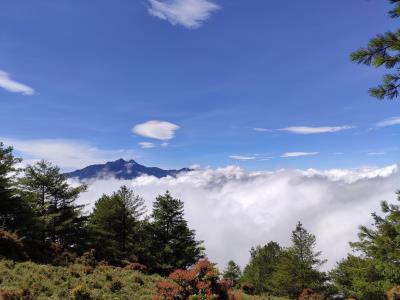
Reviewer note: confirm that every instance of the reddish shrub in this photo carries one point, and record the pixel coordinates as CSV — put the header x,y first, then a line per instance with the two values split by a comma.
x,y
136,267
15,294
199,282
309,294
167,291
248,288
394,293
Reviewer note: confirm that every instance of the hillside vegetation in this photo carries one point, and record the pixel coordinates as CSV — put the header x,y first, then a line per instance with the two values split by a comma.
x,y
28,280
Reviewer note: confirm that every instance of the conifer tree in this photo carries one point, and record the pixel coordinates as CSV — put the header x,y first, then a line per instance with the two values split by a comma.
x,y
174,243
52,200
9,203
262,265
382,242
299,265
232,272
116,225
383,50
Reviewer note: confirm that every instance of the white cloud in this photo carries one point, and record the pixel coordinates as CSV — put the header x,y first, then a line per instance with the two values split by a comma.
x,y
243,209
146,145
389,122
315,130
260,129
7,83
241,157
67,154
159,130
188,13
298,154
164,144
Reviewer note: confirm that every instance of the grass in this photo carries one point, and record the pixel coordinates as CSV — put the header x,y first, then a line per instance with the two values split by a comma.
x,y
80,282
74,282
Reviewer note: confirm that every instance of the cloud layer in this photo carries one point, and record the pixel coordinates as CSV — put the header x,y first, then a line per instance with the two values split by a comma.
x,y
188,13
7,83
233,210
159,130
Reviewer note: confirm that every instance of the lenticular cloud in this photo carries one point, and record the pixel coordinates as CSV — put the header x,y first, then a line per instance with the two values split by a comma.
x,y
232,209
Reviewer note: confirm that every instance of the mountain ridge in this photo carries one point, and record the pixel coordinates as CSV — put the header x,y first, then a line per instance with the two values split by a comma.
x,y
122,169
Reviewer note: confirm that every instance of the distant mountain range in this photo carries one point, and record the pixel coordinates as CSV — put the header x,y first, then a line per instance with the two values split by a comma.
x,y
121,169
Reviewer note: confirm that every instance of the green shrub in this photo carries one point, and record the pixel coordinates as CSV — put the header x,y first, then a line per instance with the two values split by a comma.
x,y
116,285
81,293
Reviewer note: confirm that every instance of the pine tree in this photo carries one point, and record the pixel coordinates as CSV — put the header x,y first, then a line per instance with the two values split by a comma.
x,y
9,202
382,242
232,272
174,243
299,265
263,263
116,226
59,219
383,50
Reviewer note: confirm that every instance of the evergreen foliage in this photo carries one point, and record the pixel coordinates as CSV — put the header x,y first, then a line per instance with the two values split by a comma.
x,y
383,50
52,200
115,226
263,263
232,273
175,242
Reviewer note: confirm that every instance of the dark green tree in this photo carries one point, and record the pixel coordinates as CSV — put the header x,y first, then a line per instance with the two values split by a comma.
x,y
263,263
358,277
10,204
383,50
299,266
174,244
232,272
382,242
116,226
52,199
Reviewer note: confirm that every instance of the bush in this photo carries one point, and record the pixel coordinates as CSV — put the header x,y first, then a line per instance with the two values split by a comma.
x,y
88,259
309,294
81,293
11,246
197,283
136,267
116,285
15,294
394,293
248,288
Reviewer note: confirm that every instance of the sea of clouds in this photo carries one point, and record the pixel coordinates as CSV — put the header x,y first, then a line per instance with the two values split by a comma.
x,y
232,209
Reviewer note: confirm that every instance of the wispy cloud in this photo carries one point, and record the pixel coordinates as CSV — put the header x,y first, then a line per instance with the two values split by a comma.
x,y
188,13
67,154
315,130
298,154
146,145
242,157
376,153
260,129
159,130
7,83
389,122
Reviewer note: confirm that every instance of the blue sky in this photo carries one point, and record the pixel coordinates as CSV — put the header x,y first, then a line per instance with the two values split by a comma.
x,y
182,82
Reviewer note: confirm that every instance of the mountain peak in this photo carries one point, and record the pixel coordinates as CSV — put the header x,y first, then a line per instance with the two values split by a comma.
x,y
121,169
